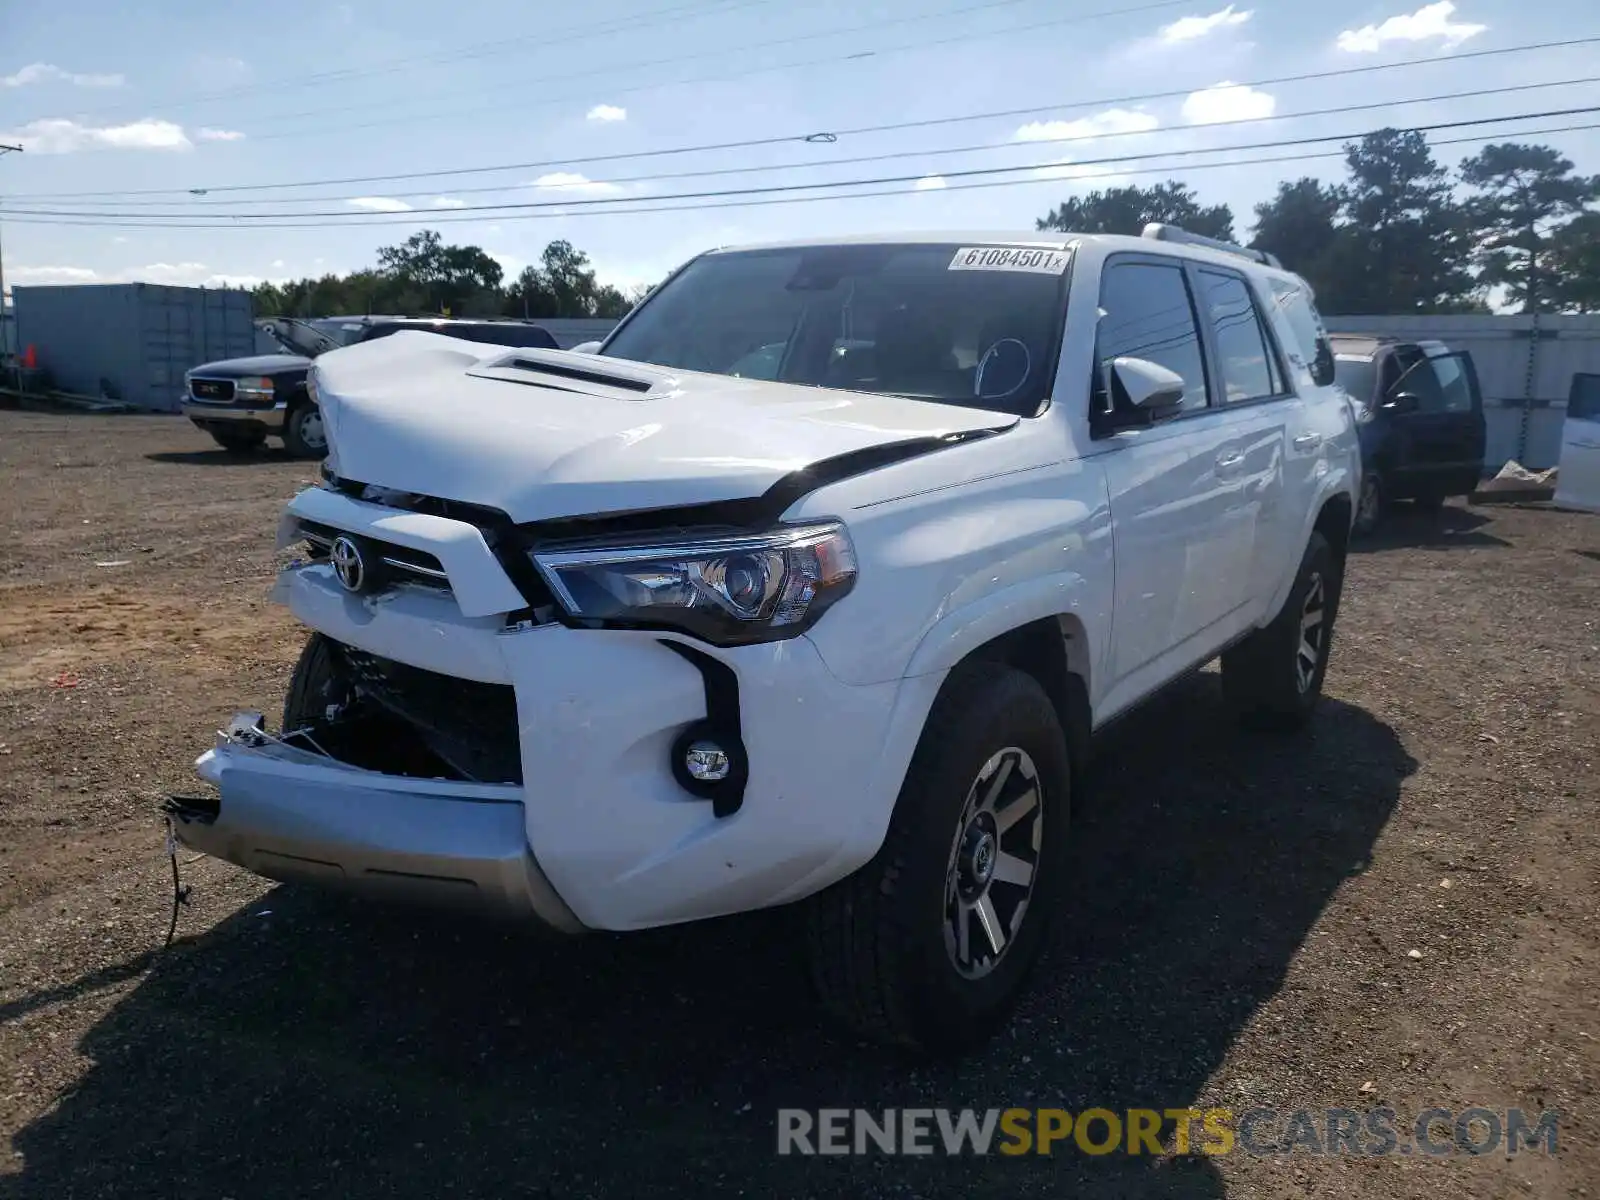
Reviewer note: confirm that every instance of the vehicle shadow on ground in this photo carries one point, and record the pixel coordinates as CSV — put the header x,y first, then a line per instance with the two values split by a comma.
x,y
1407,527
220,457
312,1046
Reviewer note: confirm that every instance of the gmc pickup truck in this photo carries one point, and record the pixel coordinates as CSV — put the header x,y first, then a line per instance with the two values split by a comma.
x,y
810,586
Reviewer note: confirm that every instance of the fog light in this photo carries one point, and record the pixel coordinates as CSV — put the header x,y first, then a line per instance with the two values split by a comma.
x,y
706,762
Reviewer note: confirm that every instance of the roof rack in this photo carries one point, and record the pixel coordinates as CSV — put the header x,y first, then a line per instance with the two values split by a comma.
x,y
1172,233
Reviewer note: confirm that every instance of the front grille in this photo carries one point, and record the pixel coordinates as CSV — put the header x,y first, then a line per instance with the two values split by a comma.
x,y
471,726
399,563
211,391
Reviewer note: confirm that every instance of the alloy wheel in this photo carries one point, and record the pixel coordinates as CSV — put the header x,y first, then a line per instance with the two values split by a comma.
x,y
994,862
1313,632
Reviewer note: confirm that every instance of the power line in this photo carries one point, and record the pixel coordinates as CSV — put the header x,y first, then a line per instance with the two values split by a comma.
x,y
885,156
432,114
1062,170
960,187
814,135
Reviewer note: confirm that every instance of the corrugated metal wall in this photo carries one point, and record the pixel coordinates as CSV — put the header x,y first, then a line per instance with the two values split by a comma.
x,y
133,341
1525,366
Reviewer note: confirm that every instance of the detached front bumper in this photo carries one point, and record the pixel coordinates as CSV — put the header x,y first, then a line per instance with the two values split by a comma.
x,y
291,815
230,416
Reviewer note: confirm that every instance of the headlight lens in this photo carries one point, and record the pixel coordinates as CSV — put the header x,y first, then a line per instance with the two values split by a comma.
x,y
726,590
252,385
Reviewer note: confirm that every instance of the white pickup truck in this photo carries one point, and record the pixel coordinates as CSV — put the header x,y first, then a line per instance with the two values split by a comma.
x,y
810,585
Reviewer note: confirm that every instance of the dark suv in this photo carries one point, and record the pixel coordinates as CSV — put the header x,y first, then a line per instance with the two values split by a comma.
x,y
1419,413
241,401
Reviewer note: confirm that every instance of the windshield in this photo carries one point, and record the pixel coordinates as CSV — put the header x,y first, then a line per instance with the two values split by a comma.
x,y
974,326
340,330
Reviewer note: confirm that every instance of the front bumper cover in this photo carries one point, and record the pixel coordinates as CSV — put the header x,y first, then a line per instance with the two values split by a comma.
x,y
227,416
292,815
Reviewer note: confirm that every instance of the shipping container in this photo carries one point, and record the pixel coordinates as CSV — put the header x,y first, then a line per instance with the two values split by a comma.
x,y
1525,366
132,341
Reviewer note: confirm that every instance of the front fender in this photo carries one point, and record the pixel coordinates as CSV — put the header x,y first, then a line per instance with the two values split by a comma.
x,y
962,630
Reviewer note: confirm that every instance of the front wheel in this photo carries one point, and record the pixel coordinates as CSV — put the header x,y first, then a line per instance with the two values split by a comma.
x,y
303,434
1273,678
930,944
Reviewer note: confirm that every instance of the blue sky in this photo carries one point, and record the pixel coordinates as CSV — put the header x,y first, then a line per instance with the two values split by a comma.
x,y
184,94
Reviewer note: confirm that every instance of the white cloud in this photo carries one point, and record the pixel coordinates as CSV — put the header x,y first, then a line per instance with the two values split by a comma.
x,y
277,264
23,276
607,112
1432,21
1228,102
1110,123
571,181
57,135
448,202
119,240
186,274
219,135
50,73
1187,29
379,204
930,183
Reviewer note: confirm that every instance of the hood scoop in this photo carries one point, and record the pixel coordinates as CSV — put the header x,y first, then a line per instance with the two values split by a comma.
x,y
557,371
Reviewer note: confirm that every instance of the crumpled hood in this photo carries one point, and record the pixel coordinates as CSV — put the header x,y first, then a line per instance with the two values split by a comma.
x,y
540,434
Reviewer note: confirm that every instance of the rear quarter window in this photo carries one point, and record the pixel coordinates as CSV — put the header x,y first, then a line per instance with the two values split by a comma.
x,y
1310,340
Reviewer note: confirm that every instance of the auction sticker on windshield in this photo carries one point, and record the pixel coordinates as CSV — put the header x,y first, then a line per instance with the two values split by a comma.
x,y
1010,258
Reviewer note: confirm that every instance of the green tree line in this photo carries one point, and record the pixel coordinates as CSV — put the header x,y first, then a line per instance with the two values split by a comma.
x,y
1401,233
425,276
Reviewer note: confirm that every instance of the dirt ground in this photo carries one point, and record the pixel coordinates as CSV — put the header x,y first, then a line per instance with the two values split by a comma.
x,y
1240,932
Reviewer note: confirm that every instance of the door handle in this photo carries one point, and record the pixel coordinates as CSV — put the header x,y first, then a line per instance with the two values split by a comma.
x,y
1228,460
1307,441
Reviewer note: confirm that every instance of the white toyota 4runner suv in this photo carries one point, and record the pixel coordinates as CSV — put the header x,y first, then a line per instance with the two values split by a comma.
x,y
812,583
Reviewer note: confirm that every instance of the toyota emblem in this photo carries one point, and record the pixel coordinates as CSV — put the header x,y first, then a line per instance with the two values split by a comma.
x,y
348,566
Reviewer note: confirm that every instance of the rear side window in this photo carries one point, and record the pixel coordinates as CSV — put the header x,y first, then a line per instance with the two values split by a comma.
x,y
1146,312
1455,392
1310,346
1244,353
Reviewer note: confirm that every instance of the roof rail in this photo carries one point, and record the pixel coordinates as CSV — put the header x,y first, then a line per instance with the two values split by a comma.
x,y
1172,233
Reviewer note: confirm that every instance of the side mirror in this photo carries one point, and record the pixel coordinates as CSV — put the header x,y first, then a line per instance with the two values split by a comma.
x,y
1145,385
586,348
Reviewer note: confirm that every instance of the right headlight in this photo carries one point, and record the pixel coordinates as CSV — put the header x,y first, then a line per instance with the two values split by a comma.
x,y
724,590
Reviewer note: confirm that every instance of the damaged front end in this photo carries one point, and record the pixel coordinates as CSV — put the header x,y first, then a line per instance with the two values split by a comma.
x,y
287,808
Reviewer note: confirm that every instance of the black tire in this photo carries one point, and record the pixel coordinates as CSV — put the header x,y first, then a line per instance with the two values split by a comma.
x,y
317,683
237,441
302,431
1263,679
881,958
1371,504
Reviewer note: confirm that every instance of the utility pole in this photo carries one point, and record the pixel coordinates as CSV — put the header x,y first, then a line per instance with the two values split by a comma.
x,y
4,150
